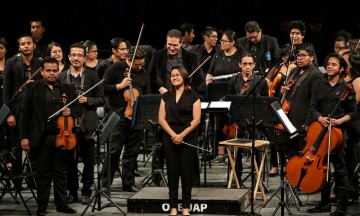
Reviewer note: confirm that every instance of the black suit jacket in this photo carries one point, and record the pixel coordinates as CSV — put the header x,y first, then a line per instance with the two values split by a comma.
x,y
159,74
33,118
14,78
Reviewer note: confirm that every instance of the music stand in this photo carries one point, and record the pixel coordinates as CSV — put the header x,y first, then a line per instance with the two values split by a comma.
x,y
215,91
255,112
102,136
146,111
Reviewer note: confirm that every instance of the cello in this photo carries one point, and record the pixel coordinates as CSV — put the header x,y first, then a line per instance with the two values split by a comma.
x,y
309,170
66,140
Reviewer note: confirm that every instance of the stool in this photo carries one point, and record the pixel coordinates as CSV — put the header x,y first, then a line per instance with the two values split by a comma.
x,y
246,143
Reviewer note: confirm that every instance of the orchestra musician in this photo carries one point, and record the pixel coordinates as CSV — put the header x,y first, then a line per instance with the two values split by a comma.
x,y
38,134
123,137
83,78
19,71
305,77
328,94
241,84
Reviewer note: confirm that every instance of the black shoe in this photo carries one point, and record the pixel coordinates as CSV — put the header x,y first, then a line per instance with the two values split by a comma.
x,y
131,189
41,212
71,199
137,173
338,213
85,199
65,209
320,208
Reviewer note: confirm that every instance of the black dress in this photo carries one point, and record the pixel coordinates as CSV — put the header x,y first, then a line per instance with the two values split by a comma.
x,y
180,158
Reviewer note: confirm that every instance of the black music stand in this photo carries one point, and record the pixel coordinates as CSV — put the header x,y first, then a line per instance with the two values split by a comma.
x,y
215,91
253,111
146,110
102,136
146,107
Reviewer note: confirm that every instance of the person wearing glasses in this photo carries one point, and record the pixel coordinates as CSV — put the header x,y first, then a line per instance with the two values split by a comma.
x,y
264,48
124,138
92,52
208,48
119,50
224,62
299,95
83,79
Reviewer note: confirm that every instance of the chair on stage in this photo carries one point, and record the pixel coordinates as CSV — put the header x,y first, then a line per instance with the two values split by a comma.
x,y
12,182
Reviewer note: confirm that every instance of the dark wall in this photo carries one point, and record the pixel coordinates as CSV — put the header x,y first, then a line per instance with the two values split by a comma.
x,y
100,20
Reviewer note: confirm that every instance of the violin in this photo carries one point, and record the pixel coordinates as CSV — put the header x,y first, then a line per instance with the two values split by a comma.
x,y
285,105
275,82
229,129
130,95
66,139
308,171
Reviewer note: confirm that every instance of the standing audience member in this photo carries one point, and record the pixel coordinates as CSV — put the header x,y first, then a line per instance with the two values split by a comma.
x,y
19,71
37,28
119,49
54,50
329,93
83,79
179,116
264,48
38,135
188,33
123,138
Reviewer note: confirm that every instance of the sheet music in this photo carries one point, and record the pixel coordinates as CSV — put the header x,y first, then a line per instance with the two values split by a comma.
x,y
286,121
204,105
220,104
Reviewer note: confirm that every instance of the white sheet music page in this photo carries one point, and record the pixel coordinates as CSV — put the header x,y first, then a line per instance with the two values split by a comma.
x,y
220,104
204,105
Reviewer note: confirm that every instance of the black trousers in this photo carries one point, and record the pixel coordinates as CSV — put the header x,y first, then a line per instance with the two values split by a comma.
x,y
86,150
180,162
122,138
51,167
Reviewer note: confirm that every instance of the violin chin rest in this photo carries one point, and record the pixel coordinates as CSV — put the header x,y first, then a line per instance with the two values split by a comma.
x,y
62,147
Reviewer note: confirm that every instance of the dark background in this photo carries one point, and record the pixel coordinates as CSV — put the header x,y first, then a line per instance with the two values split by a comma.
x,y
100,20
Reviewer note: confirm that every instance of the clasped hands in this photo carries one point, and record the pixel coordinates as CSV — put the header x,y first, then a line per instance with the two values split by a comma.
x,y
177,138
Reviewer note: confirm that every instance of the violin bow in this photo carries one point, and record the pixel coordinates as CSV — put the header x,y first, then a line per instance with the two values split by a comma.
x,y
136,47
79,96
207,59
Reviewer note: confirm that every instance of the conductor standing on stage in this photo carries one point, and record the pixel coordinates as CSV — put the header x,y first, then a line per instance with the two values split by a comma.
x,y
179,116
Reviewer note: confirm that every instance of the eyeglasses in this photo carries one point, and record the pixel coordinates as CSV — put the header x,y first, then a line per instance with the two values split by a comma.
x,y
77,55
123,49
213,37
94,51
301,56
139,65
224,41
253,37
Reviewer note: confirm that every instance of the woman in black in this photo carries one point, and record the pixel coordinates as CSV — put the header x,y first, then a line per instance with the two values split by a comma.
x,y
179,116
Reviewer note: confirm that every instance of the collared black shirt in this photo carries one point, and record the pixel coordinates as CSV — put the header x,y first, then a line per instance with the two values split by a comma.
x,y
53,104
332,100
